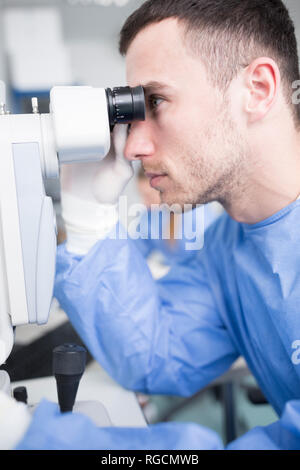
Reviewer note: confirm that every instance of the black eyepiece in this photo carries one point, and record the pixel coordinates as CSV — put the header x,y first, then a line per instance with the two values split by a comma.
x,y
125,105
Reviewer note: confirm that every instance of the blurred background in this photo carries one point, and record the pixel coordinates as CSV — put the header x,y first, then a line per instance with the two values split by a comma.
x,y
45,43
66,42
75,42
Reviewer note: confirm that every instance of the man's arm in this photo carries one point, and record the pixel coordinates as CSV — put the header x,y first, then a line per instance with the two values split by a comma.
x,y
50,429
164,337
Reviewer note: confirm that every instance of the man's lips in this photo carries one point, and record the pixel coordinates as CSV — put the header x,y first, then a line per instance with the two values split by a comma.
x,y
155,178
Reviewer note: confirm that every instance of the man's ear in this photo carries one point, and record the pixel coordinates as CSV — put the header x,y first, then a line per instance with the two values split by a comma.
x,y
262,79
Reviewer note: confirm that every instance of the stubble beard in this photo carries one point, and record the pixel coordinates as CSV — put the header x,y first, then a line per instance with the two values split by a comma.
x,y
221,175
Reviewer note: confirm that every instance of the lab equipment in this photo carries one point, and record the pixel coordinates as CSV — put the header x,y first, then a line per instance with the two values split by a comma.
x,y
239,296
68,366
14,421
125,105
75,431
32,148
20,394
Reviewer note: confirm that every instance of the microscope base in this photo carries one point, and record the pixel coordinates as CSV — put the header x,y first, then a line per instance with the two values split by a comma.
x,y
95,411
92,409
121,405
5,382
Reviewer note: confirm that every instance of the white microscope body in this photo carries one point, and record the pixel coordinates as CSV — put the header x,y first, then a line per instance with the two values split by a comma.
x,y
32,146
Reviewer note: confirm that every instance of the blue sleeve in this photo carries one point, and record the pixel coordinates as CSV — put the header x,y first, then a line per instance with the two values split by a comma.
x,y
154,338
284,434
51,430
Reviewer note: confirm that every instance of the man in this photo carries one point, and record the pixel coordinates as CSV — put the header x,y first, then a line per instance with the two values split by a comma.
x,y
220,125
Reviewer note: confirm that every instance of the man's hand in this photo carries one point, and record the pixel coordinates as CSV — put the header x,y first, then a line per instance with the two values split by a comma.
x,y
90,193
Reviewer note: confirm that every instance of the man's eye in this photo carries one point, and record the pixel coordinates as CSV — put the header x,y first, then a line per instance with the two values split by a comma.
x,y
154,102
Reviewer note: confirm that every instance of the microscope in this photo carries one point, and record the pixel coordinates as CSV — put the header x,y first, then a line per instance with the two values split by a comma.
x,y
32,148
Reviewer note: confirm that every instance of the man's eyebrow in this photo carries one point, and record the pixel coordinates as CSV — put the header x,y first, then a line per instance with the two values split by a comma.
x,y
151,86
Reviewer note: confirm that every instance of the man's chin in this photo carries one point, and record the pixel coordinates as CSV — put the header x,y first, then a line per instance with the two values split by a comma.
x,y
171,200
182,200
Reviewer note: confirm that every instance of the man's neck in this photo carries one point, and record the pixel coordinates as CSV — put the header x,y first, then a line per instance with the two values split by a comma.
x,y
251,212
268,190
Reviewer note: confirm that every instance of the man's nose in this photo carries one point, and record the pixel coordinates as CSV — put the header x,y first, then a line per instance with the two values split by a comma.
x,y
139,143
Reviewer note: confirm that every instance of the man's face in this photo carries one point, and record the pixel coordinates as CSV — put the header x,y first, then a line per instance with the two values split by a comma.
x,y
189,145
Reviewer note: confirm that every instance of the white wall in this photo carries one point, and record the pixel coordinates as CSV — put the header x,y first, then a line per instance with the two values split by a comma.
x,y
294,9
91,33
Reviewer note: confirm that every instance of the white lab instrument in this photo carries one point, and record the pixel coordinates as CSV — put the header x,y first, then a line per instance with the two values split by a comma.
x,y
32,146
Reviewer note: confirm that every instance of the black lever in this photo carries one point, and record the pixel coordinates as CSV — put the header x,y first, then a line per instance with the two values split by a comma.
x,y
68,366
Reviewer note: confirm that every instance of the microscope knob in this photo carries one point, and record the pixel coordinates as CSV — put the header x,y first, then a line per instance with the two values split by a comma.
x,y
20,394
68,366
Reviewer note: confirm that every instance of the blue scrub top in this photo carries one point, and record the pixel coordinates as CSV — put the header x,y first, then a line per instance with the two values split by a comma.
x,y
152,233
240,295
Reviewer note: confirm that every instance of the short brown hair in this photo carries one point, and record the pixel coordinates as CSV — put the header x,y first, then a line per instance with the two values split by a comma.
x,y
229,34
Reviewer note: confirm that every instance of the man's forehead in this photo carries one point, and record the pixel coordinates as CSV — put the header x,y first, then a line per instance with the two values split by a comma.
x,y
154,54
